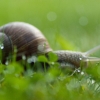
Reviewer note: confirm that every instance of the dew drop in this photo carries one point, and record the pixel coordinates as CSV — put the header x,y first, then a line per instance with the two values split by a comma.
x,y
82,73
41,47
1,46
93,81
32,59
80,58
78,70
24,57
7,62
52,63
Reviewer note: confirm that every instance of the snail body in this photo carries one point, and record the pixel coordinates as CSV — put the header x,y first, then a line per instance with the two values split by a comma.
x,y
30,41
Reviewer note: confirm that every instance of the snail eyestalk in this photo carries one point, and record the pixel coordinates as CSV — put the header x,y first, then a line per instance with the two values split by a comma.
x,y
91,51
89,59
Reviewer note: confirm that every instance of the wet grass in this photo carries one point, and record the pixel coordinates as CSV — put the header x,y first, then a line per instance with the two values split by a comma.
x,y
68,25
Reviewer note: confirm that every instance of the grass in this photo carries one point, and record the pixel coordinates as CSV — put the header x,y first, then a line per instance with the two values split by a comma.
x,y
68,25
52,84
48,84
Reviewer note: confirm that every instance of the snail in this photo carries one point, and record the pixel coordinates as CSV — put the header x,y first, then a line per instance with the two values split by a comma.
x,y
30,41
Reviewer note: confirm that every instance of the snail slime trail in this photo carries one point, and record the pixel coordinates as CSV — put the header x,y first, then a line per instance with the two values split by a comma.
x,y
30,41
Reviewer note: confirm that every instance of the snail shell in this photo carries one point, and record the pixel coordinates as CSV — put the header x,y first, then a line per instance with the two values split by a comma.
x,y
26,38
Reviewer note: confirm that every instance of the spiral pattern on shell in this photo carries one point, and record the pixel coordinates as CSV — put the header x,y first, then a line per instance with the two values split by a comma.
x,y
27,39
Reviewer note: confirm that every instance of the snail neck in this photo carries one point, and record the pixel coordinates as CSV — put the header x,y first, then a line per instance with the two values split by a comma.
x,y
69,58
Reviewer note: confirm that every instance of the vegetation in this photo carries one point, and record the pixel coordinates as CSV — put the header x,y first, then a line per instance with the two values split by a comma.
x,y
68,25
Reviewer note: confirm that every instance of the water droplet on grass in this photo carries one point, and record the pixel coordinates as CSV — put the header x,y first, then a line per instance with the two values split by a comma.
x,y
32,59
1,46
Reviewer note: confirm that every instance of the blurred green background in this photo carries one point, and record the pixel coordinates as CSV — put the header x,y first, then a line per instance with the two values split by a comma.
x,y
67,24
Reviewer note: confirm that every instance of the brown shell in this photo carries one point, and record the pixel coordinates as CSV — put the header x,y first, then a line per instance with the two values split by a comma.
x,y
27,38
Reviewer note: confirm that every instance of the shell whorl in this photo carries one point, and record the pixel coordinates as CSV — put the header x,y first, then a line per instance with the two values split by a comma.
x,y
27,38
